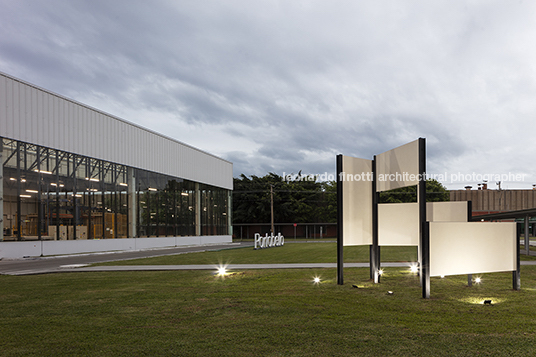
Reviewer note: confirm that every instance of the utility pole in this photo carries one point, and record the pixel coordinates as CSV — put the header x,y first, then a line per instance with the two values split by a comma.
x,y
272,206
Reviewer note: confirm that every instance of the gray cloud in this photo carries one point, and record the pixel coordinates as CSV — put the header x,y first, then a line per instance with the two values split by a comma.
x,y
285,86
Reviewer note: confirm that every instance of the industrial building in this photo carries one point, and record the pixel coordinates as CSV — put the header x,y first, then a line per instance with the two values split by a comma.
x,y
76,179
488,201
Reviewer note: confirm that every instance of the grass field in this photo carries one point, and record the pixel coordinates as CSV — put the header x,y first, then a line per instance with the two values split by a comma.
x,y
289,253
265,312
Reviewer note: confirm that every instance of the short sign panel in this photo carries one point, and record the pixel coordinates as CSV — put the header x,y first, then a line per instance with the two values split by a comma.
x,y
398,224
472,248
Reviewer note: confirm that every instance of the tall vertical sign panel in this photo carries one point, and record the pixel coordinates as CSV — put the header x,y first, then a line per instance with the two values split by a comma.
x,y
398,167
356,179
471,248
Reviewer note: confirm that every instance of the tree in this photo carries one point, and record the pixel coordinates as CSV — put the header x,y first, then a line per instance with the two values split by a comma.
x,y
435,192
301,200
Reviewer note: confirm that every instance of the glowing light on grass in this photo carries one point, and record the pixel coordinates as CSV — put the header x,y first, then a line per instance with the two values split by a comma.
x,y
221,270
478,280
380,271
414,268
316,280
480,300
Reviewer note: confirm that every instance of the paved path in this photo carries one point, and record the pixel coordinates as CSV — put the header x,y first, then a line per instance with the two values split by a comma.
x,y
228,267
41,265
79,263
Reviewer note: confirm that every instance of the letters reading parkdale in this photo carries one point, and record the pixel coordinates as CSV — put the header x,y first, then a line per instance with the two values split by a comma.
x,y
269,241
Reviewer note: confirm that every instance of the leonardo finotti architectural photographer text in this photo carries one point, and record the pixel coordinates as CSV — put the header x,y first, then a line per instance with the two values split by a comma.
x,y
407,177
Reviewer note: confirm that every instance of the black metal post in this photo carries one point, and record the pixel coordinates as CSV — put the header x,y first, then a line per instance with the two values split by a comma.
x,y
526,236
374,249
340,263
516,274
469,211
424,226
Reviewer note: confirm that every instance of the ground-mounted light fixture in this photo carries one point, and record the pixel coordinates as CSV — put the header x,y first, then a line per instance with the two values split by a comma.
x,y
316,280
414,268
478,280
487,302
221,270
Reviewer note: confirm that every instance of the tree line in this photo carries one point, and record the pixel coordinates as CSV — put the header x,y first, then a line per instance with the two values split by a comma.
x,y
304,200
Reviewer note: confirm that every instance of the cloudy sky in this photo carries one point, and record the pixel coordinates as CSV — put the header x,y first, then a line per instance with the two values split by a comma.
x,y
284,86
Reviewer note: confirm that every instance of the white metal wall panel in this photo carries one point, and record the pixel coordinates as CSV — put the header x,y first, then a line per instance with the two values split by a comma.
x,y
16,108
36,116
3,106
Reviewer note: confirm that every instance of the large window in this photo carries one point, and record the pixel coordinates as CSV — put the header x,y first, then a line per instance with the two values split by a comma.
x,y
214,210
166,205
54,195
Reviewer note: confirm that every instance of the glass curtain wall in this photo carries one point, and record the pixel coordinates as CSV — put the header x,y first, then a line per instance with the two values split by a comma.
x,y
214,208
166,205
54,195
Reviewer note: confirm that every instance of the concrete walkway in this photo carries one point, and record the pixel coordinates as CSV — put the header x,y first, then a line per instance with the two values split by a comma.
x,y
80,263
42,265
229,267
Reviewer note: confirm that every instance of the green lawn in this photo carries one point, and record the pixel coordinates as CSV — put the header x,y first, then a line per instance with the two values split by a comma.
x,y
265,313
289,253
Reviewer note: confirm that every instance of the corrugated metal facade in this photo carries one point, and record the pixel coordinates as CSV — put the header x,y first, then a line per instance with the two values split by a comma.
x,y
34,115
489,201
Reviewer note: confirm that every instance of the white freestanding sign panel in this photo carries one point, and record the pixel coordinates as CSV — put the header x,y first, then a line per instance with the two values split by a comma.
x,y
398,224
398,167
357,201
474,247
447,211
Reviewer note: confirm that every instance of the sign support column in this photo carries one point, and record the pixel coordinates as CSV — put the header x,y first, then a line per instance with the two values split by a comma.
x,y
516,277
424,227
340,263
374,248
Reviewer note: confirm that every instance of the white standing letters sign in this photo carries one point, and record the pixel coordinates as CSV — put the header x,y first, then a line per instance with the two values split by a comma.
x,y
269,241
